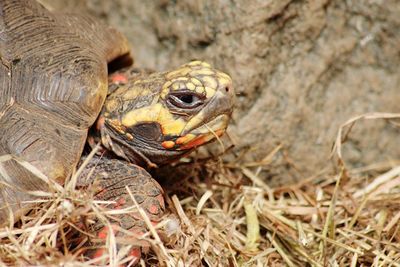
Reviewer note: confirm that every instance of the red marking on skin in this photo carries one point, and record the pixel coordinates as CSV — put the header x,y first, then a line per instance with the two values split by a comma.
x,y
100,123
219,132
198,141
181,140
153,209
120,202
194,143
101,191
135,253
119,78
99,253
103,233
168,144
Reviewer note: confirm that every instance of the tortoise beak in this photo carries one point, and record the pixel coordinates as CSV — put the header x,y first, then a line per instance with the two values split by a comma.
x,y
204,134
211,122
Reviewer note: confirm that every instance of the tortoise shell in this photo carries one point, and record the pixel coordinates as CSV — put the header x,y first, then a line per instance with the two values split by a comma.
x,y
53,86
53,82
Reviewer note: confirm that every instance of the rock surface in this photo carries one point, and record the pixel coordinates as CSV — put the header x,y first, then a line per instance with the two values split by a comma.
x,y
301,68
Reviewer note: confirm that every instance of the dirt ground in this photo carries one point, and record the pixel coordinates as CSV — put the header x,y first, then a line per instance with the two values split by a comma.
x,y
301,69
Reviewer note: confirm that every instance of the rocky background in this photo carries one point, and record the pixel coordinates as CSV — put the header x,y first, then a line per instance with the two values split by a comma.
x,y
301,69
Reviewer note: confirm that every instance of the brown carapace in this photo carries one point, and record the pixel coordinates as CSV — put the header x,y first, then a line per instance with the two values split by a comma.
x,y
54,86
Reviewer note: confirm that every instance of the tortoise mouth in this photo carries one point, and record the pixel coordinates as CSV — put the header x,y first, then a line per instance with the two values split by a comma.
x,y
201,135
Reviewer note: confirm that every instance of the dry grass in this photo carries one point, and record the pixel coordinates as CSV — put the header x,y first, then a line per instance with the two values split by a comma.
x,y
224,214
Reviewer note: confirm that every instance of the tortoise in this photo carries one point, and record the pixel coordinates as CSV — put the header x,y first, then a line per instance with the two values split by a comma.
x,y
57,92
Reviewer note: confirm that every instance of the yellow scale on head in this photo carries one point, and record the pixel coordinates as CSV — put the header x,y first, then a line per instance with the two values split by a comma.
x,y
196,76
155,113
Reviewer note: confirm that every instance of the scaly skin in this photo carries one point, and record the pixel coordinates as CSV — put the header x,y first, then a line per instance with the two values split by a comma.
x,y
155,118
112,177
142,123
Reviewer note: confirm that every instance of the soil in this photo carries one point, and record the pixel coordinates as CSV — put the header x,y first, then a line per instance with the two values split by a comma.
x,y
301,69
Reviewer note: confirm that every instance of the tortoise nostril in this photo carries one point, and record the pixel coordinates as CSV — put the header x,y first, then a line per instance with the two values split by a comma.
x,y
228,88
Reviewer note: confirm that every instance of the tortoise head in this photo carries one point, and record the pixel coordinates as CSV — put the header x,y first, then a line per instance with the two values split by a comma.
x,y
158,117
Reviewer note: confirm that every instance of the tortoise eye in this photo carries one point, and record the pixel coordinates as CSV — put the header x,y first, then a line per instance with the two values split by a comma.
x,y
187,100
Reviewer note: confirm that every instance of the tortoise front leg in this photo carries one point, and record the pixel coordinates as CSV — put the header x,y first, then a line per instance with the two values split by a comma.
x,y
114,177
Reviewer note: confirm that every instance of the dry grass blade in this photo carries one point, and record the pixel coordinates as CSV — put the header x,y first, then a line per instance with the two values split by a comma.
x,y
281,251
35,171
228,216
164,257
203,201
182,215
395,172
349,123
216,137
253,227
71,185
329,223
